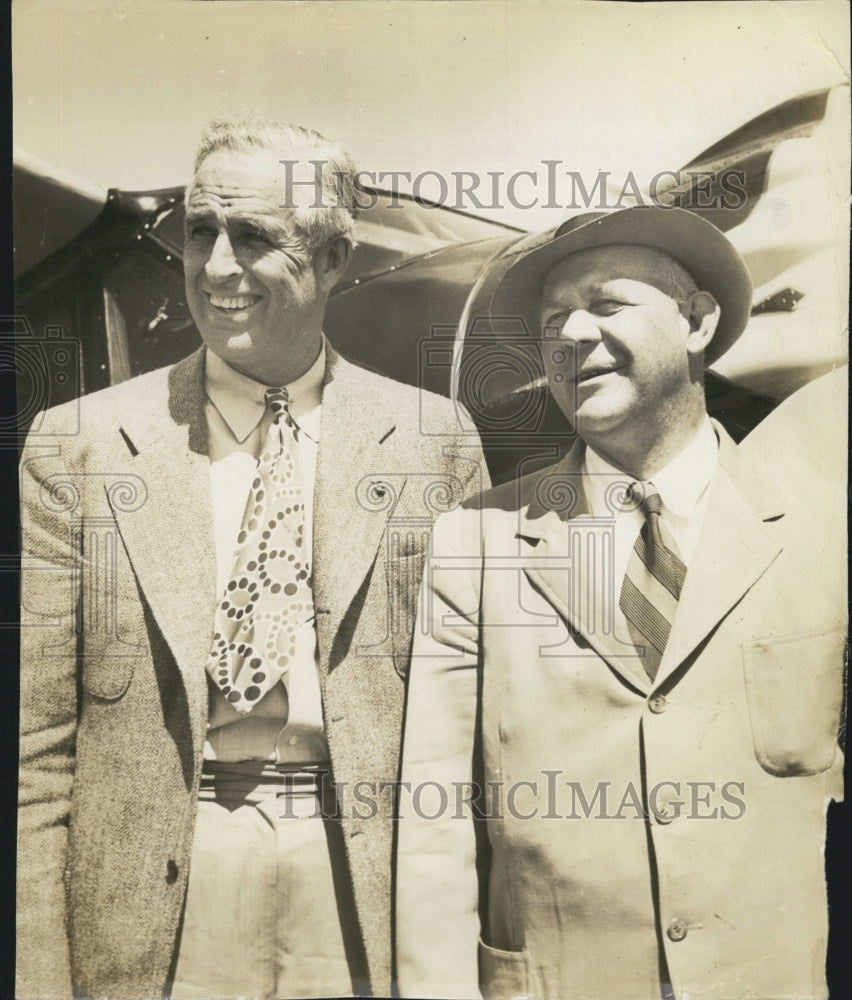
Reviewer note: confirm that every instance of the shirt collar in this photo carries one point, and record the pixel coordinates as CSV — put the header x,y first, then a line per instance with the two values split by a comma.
x,y
241,401
682,482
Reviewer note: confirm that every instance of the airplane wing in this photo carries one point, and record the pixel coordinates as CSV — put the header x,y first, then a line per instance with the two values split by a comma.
x,y
52,208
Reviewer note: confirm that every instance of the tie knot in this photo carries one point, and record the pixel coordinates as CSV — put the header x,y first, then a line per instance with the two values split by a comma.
x,y
646,495
278,400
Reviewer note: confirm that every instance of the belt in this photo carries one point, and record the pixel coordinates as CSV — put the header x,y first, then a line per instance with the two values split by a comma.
x,y
263,776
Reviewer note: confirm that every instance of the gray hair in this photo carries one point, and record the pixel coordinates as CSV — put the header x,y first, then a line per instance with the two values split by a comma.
x,y
678,283
323,215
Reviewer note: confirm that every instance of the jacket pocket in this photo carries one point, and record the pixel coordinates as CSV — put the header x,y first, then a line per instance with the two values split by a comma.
x,y
794,686
107,676
404,575
503,974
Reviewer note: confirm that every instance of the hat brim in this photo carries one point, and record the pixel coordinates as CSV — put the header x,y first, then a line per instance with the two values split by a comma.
x,y
516,281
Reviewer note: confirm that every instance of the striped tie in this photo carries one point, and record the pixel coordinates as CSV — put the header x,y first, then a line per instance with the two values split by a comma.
x,y
653,581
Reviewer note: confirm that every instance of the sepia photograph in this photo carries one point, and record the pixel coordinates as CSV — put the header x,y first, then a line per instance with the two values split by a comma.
x,y
431,431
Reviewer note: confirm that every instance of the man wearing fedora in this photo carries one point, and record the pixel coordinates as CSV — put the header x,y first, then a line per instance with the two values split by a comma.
x,y
627,679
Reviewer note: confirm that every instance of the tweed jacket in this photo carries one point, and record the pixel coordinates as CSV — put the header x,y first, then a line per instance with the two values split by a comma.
x,y
118,610
632,826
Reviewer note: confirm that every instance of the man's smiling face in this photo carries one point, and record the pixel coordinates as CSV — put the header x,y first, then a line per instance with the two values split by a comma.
x,y
250,281
619,353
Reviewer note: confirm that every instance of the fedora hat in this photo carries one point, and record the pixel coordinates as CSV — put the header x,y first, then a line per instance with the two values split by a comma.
x,y
512,284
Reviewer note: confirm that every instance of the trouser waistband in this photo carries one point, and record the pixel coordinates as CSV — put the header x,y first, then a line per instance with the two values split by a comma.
x,y
263,777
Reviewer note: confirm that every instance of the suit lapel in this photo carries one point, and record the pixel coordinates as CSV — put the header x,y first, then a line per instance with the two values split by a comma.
x,y
360,477
734,550
570,563
169,539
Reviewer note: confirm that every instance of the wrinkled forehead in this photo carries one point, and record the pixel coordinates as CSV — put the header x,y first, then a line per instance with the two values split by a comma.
x,y
231,169
588,269
277,178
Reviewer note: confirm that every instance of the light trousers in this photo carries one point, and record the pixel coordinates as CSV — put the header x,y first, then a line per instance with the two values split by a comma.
x,y
267,913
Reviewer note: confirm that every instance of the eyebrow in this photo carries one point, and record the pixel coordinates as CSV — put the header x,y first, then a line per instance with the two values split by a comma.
x,y
600,289
549,310
263,224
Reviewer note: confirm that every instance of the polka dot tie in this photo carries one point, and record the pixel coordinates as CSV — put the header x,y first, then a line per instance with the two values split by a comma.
x,y
268,598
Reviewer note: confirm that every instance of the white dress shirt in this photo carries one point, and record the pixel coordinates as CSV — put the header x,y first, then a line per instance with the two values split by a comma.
x,y
286,726
683,488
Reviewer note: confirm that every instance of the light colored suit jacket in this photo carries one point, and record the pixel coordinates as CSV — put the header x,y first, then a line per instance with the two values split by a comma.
x,y
629,819
119,599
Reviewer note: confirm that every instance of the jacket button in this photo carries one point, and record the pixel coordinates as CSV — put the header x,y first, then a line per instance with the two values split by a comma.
x,y
676,930
171,872
665,812
657,704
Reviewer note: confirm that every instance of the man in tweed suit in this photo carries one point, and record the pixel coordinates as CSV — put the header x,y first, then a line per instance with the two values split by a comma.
x,y
184,830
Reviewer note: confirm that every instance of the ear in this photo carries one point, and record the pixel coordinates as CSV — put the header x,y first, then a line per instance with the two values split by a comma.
x,y
330,261
703,313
